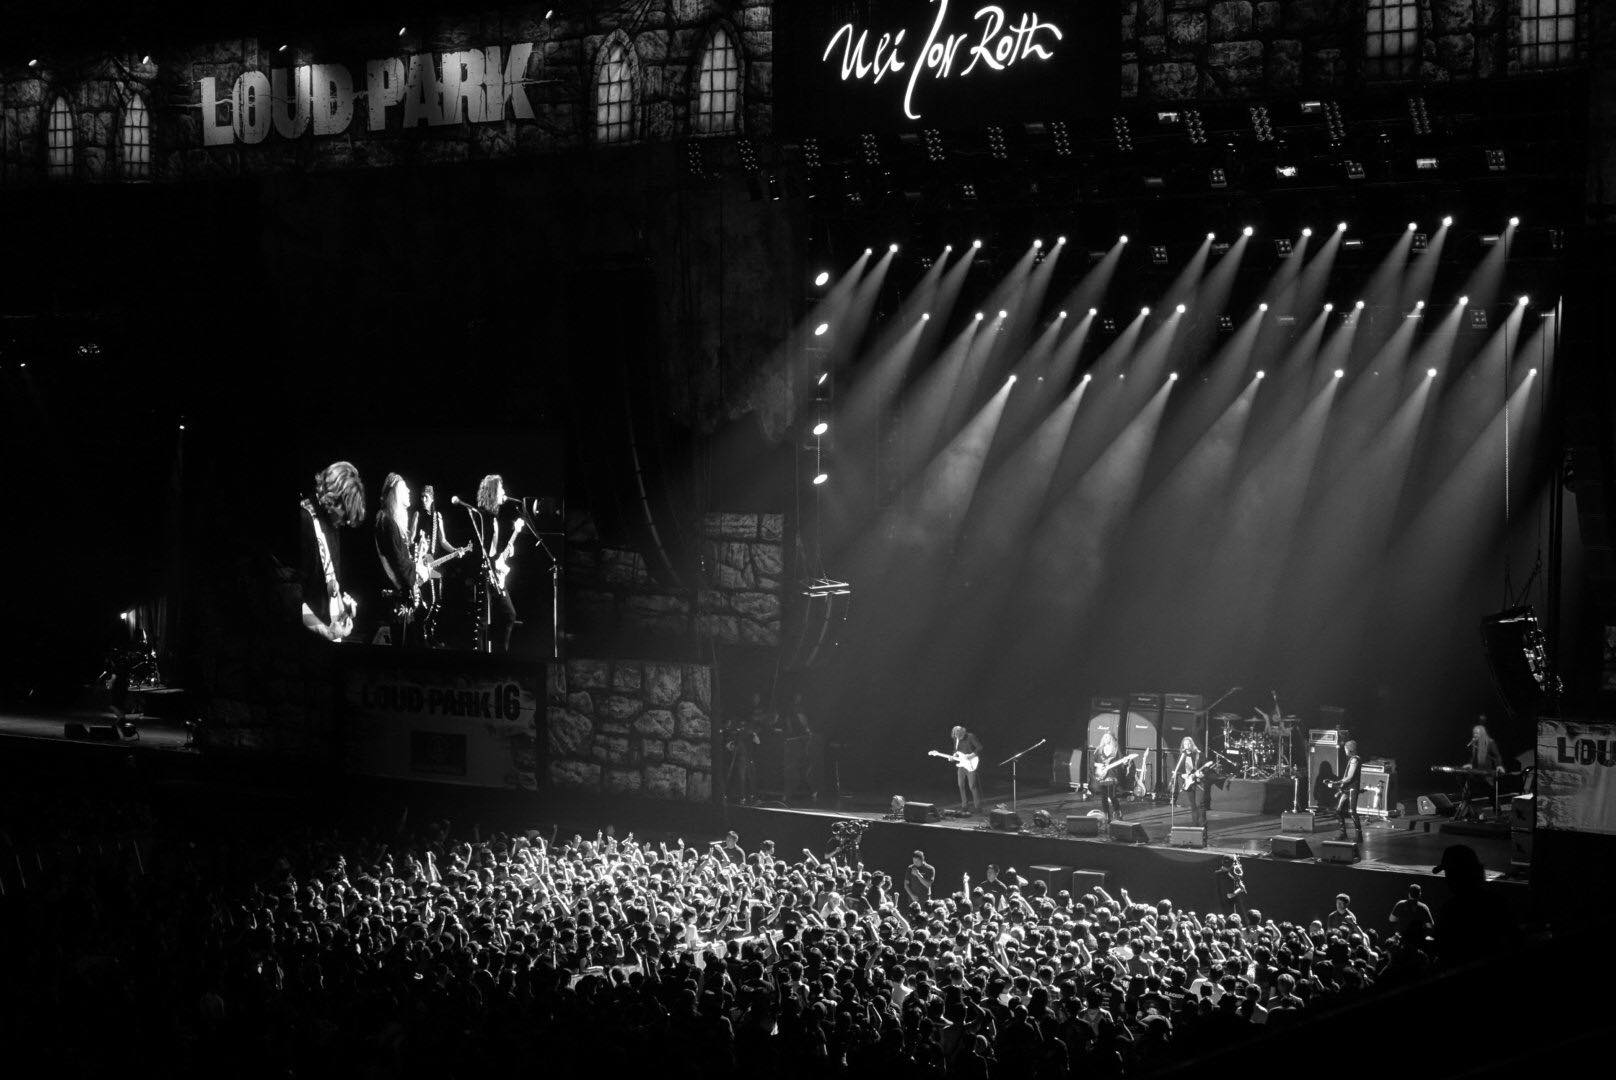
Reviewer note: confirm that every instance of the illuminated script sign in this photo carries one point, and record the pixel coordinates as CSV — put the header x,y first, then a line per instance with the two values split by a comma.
x,y
480,86
997,42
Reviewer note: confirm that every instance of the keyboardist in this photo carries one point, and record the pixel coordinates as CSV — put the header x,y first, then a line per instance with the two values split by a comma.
x,y
1485,766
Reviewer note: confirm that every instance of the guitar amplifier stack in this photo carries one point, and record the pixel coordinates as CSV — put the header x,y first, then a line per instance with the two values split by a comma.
x,y
1143,737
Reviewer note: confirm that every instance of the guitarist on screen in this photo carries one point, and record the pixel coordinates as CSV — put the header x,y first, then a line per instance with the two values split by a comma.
x,y
967,745
339,501
499,532
1189,778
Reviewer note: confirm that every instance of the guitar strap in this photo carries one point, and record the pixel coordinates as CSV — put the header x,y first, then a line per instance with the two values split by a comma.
x,y
331,587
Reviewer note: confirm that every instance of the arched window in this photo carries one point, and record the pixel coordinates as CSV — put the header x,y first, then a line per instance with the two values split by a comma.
x,y
718,87
59,140
136,140
614,94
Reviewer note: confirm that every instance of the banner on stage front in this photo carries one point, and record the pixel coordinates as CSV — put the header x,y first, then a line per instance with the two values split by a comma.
x,y
1576,776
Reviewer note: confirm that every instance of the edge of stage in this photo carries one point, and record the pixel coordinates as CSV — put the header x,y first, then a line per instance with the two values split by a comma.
x,y
1395,853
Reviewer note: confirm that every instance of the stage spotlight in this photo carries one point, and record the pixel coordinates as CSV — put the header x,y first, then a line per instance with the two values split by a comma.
x,y
1447,221
1143,312
1307,230
1093,311
1412,226
1523,301
1463,300
1514,221
869,251
1339,373
283,48
821,278
821,478
1430,373
892,247
1060,240
925,316
402,30
146,59
1247,231
1063,314
1087,376
1181,309
1341,226
1037,243
1172,376
1329,307
976,243
1359,305
1011,381
978,316
1123,239
1211,236
1419,305
1003,314
1262,375
821,427
1262,307
819,331
823,375
1532,372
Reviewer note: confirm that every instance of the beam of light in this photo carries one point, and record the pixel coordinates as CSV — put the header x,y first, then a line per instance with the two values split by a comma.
x,y
1306,291
1383,287
1091,289
1487,279
1064,360
1182,289
1422,272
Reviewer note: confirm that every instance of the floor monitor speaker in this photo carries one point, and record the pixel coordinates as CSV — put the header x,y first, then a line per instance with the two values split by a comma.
x,y
1083,826
1340,851
919,813
1129,832
1006,820
1289,847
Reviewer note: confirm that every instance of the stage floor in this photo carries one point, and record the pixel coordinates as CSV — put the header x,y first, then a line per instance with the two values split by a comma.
x,y
1408,844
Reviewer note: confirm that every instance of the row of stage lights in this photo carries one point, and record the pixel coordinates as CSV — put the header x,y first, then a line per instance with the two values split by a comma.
x,y
823,277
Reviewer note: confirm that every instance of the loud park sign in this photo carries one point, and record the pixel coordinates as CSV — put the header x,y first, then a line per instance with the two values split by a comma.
x,y
882,65
479,86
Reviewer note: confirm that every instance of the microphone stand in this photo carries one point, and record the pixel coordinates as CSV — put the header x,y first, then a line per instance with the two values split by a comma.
x,y
1011,761
483,643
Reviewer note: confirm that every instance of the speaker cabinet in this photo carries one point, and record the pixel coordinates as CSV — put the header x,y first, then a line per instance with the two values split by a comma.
x,y
1055,877
1181,718
1105,717
1083,826
1005,820
1289,847
1522,812
1433,804
1518,654
919,813
1084,880
1340,851
1060,764
1129,832
1306,821
1187,836
1376,797
1325,759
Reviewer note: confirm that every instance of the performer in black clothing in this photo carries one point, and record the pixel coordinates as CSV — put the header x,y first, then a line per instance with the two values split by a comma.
x,y
1107,776
1346,797
338,502
1484,757
431,539
1189,779
401,576
497,531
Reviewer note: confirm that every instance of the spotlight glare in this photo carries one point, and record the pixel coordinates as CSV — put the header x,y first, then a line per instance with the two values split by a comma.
x,y
1180,309
1514,221
1247,231
823,375
821,427
1329,307
1339,373
821,278
1341,226
1447,221
1093,311
869,251
1419,304
819,331
924,316
1003,314
1463,300
1262,375
1524,300
1087,376
948,247
146,59
1143,312
403,30
1307,230
1211,236
1011,381
821,478
978,316
1172,377
1063,314
1037,243
892,247
976,243
1359,305
1430,373
1412,226
1060,240
1123,239
1532,372
1262,307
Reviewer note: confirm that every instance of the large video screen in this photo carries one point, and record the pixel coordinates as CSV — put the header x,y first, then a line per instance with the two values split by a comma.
x,y
428,540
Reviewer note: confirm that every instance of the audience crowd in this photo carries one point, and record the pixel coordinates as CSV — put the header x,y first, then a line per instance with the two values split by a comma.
x,y
423,954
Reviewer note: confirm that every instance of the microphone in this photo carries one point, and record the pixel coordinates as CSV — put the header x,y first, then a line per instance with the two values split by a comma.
x,y
458,501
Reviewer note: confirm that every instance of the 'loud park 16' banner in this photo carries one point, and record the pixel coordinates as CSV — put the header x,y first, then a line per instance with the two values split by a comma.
x,y
844,67
1576,776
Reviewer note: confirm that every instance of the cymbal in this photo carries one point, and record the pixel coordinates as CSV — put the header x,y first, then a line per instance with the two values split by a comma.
x,y
1227,717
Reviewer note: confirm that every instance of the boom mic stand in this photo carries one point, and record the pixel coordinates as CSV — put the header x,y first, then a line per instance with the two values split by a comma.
x,y
1011,761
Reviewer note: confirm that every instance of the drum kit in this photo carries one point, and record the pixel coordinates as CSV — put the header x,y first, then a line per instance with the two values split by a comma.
x,y
1260,747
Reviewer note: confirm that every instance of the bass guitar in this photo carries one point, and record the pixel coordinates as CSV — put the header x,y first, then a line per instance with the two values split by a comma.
x,y
1100,771
499,573
968,762
426,568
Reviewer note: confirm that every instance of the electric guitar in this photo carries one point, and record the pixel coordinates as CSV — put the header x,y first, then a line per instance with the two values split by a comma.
x,y
500,572
968,762
426,568
1100,771
340,607
1190,779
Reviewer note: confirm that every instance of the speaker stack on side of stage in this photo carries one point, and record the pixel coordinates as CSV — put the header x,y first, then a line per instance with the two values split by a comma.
x,y
1181,716
1522,817
1143,737
1325,760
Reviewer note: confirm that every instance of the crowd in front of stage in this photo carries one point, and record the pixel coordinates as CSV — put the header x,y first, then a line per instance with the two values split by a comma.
x,y
428,955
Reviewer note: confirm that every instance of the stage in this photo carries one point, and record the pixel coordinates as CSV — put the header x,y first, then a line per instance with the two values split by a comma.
x,y
1394,854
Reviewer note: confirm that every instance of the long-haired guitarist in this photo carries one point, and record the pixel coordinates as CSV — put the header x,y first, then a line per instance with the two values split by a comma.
x,y
1346,792
1189,777
498,533
338,502
967,745
1108,767
394,528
